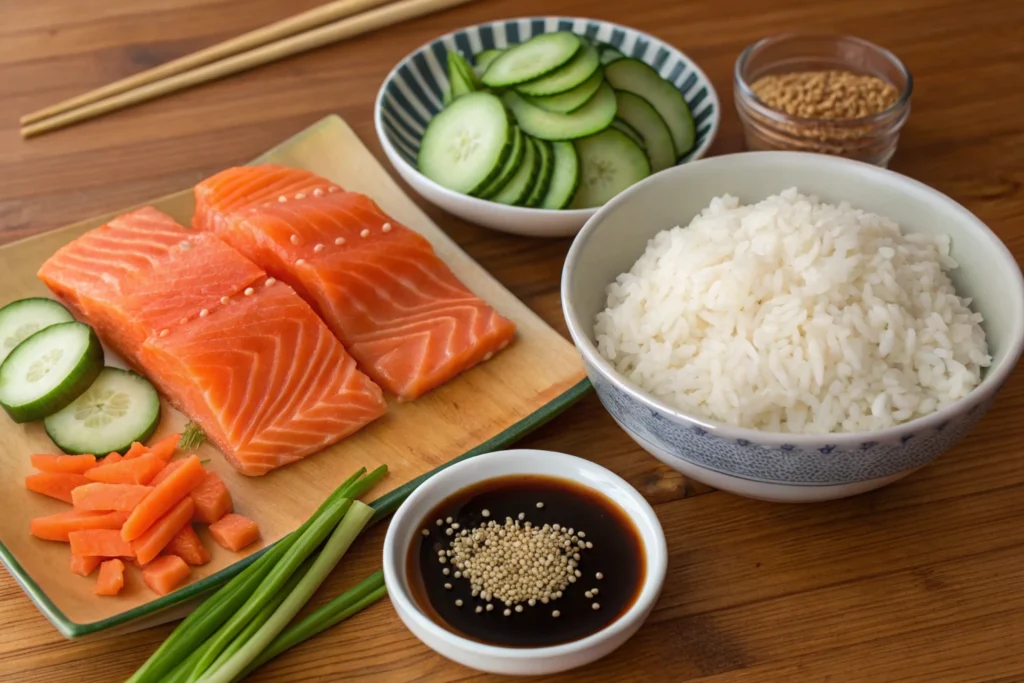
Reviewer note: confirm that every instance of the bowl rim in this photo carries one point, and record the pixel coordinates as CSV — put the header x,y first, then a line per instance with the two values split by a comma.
x,y
404,167
440,486
992,382
750,99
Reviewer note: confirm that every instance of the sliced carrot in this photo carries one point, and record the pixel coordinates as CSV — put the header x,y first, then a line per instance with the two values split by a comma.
x,y
57,527
165,574
100,496
234,532
187,545
140,470
159,534
169,469
100,543
57,485
213,500
111,578
136,450
112,458
165,447
75,464
83,565
165,496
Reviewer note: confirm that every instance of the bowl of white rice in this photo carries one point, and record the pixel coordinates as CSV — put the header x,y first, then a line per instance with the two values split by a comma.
x,y
791,326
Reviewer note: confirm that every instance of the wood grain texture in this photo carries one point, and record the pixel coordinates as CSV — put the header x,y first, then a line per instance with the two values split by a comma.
x,y
917,582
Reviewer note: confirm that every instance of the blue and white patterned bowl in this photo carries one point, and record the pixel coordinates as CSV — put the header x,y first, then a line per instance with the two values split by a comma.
x,y
775,466
411,94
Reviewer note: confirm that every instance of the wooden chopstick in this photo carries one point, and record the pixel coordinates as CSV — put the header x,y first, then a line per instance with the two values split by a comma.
x,y
318,16
376,18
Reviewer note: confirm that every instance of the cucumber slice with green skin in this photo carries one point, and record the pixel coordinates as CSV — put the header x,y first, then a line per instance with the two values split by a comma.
x,y
466,144
619,124
485,59
536,57
609,54
49,370
19,320
611,162
547,167
591,118
570,100
461,79
510,167
565,78
657,140
120,407
565,176
632,75
518,188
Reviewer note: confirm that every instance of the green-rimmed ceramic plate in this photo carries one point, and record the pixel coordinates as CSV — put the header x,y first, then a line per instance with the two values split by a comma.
x,y
485,409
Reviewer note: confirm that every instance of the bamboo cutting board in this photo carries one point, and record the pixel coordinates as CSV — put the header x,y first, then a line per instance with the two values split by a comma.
x,y
483,409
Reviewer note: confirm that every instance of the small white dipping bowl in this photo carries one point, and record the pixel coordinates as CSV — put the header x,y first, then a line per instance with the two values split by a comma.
x,y
405,530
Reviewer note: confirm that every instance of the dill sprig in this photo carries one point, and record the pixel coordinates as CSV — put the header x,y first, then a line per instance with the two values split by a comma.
x,y
192,438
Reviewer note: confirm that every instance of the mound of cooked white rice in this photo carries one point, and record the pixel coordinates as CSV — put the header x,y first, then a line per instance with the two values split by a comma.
x,y
792,315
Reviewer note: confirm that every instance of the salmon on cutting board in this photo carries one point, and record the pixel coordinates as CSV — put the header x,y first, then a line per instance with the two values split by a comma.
x,y
380,287
240,353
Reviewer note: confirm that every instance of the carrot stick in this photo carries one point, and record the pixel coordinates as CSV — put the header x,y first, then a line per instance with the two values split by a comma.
x,y
165,447
136,450
75,464
148,545
164,496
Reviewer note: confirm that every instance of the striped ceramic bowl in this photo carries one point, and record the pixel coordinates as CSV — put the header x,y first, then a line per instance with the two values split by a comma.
x,y
411,94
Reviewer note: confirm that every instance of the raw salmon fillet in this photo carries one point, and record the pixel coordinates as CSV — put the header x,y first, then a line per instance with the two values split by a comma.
x,y
240,353
400,311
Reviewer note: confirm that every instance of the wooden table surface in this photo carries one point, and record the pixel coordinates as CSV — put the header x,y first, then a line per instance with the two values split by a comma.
x,y
922,581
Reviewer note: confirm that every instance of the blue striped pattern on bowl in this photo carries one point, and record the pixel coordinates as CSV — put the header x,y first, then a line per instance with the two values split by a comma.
x,y
413,91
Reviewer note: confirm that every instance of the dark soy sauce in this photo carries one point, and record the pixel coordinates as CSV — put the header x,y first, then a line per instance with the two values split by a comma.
x,y
617,554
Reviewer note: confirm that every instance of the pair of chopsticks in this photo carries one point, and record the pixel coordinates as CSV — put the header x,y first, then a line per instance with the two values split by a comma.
x,y
309,30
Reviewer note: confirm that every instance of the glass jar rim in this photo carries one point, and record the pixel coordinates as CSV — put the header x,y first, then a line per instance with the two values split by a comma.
x,y
750,99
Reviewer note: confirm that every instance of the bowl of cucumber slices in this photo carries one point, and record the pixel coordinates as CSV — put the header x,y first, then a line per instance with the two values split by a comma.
x,y
529,125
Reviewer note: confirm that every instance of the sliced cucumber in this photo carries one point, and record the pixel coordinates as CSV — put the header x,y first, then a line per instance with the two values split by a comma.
x,y
611,162
538,56
565,176
565,78
49,370
466,144
547,166
609,54
655,136
120,407
519,186
509,168
485,59
571,100
632,75
619,124
461,78
19,320
591,118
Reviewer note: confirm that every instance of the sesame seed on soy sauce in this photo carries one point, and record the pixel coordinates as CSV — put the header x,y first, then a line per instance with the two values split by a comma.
x,y
526,561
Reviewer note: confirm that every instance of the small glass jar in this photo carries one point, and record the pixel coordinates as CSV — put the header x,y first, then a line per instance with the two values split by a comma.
x,y
871,138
